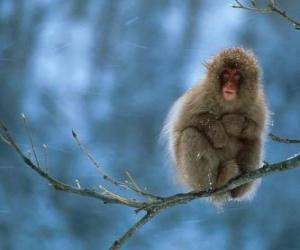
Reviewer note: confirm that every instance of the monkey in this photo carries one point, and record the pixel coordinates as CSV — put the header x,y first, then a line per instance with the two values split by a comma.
x,y
216,130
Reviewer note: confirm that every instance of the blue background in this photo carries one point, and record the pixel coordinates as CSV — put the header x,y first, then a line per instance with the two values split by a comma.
x,y
111,70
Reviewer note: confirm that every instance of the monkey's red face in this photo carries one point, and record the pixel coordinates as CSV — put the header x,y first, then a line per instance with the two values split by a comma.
x,y
230,79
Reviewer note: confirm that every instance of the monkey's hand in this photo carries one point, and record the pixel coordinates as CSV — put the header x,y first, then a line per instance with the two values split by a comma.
x,y
250,129
217,134
234,124
209,125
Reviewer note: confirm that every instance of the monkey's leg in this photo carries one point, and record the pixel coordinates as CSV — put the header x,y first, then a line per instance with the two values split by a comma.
x,y
243,192
227,171
249,158
197,162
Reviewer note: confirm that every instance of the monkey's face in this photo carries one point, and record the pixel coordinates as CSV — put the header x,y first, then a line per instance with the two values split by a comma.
x,y
233,75
230,82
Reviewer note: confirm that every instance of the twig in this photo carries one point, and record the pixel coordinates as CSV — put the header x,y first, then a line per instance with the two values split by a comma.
x,y
132,181
105,176
45,147
4,139
30,138
270,8
96,164
62,186
146,218
283,140
135,187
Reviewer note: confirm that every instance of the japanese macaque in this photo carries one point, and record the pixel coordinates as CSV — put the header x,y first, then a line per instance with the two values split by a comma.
x,y
216,129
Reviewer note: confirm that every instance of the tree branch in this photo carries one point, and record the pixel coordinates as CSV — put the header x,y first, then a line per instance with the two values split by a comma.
x,y
283,140
155,204
129,185
270,8
147,217
104,196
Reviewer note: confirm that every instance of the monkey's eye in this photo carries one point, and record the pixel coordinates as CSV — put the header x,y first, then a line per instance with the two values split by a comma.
x,y
225,76
237,77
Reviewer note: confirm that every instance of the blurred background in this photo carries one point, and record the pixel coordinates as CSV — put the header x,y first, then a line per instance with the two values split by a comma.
x,y
111,70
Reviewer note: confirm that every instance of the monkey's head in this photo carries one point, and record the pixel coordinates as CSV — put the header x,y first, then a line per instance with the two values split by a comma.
x,y
234,76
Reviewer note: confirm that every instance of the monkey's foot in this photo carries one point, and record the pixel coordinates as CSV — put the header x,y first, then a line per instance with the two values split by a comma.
x,y
242,191
219,199
227,171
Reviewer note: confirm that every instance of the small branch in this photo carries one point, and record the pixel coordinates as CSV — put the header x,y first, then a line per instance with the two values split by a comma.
x,y
283,140
2,137
146,218
271,8
30,138
252,7
106,198
133,187
45,147
96,164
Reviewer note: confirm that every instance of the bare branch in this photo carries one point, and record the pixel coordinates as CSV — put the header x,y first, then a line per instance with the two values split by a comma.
x,y
106,198
30,138
283,140
147,217
96,164
131,186
45,147
182,198
4,139
152,207
270,8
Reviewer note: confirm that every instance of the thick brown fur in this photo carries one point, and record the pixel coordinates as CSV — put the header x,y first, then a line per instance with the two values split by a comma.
x,y
213,140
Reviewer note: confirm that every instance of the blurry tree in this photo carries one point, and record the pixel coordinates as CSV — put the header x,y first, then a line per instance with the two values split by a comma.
x,y
110,70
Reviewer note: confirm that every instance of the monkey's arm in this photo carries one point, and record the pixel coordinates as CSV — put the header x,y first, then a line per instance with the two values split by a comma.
x,y
210,127
233,123
250,130
241,126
